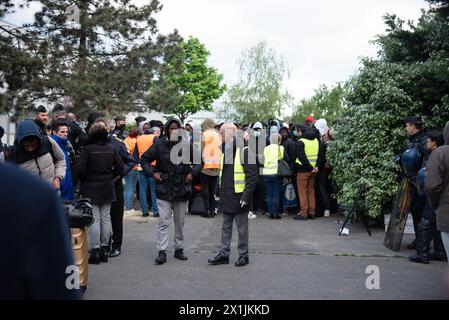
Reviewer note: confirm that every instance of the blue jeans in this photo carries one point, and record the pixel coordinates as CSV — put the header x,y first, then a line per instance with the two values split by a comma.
x,y
130,187
144,181
273,188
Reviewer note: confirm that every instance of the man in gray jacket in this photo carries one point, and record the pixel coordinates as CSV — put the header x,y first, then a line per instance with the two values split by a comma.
x,y
437,186
38,154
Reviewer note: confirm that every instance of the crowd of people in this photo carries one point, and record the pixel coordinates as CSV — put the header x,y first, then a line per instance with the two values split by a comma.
x,y
241,171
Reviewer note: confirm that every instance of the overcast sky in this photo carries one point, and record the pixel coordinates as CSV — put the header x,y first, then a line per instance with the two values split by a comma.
x,y
322,40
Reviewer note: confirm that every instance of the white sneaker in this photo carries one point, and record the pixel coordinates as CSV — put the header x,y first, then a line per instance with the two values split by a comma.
x,y
327,213
251,215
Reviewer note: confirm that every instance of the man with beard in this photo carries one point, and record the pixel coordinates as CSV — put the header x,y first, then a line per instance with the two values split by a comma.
x,y
41,119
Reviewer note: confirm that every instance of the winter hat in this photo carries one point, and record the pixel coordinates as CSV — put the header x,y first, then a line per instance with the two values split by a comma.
x,y
321,125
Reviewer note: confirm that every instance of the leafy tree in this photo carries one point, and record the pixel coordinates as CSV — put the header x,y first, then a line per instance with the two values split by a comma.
x,y
408,77
258,94
325,103
186,84
103,60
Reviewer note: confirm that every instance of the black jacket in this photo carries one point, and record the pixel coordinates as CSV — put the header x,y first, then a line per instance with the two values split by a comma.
x,y
301,154
41,127
172,186
290,151
229,200
98,167
128,161
77,136
36,238
419,141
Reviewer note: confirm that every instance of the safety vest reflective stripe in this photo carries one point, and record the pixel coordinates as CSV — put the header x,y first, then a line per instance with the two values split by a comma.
x,y
311,148
239,172
212,149
272,154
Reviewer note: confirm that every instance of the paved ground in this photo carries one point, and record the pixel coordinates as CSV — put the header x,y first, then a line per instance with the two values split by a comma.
x,y
289,259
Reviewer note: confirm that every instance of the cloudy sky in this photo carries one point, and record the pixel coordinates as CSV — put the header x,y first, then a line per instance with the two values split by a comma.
x,y
321,40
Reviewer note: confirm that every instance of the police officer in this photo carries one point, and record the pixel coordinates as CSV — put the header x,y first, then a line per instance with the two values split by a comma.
x,y
119,131
417,146
427,228
41,119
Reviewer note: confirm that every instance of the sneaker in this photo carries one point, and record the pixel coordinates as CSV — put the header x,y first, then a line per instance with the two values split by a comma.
x,y
251,215
327,213
285,214
299,217
156,215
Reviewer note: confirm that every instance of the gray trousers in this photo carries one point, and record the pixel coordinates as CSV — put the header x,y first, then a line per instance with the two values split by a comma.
x,y
241,222
445,238
179,212
100,231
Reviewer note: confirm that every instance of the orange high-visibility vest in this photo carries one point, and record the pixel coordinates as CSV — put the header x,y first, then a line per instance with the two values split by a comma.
x,y
130,144
144,142
212,149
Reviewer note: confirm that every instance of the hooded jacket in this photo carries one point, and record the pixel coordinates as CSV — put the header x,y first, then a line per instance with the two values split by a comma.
x,y
301,154
437,182
47,161
172,186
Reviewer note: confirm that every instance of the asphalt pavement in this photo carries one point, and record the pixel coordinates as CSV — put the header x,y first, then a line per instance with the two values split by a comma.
x,y
289,260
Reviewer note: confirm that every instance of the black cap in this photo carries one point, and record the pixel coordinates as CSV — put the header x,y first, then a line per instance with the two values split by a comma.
x,y
118,118
156,123
58,107
140,119
413,120
301,127
41,109
93,116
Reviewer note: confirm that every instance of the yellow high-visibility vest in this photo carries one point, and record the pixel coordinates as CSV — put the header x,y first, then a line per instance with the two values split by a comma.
x,y
272,154
239,172
311,148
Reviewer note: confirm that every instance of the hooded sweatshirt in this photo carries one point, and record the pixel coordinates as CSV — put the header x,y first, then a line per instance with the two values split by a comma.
x,y
437,182
47,161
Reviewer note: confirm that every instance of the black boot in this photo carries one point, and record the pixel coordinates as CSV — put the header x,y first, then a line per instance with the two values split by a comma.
x,y
94,257
423,239
161,258
104,254
179,254
439,254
